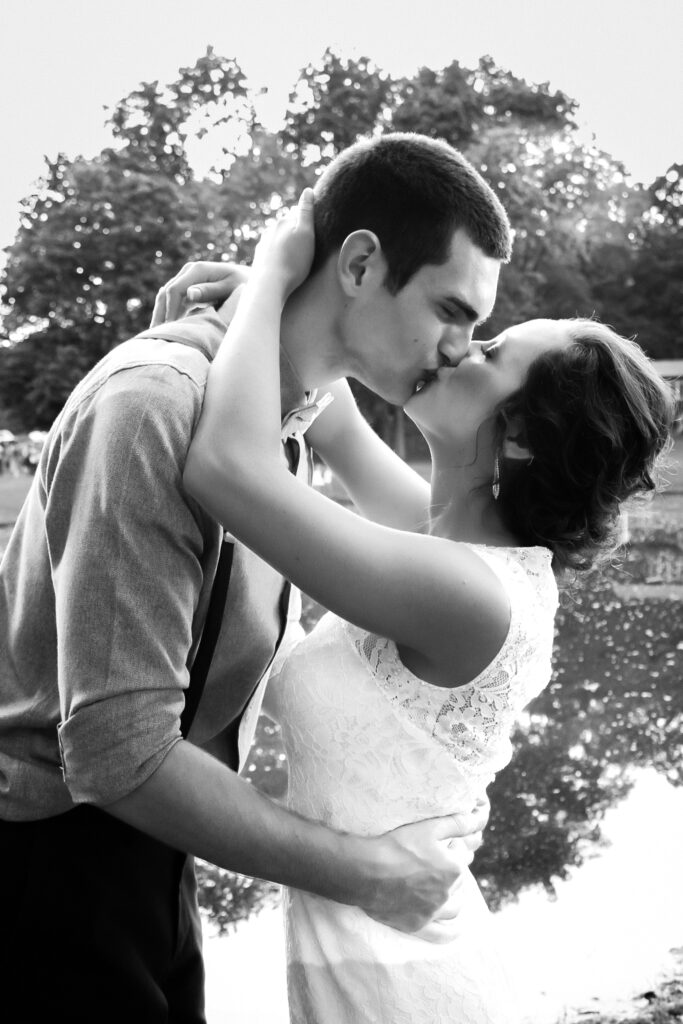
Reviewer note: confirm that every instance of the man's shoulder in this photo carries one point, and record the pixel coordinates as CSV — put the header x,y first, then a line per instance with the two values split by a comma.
x,y
201,331
173,360
141,384
162,355
154,362
157,378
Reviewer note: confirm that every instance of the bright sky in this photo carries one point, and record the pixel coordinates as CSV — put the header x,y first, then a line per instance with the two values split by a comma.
x,y
62,62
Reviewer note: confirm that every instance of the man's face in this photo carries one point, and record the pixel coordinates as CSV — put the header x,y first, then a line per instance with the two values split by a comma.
x,y
401,340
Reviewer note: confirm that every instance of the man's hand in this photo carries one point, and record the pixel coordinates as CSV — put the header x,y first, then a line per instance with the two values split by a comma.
x,y
420,872
198,282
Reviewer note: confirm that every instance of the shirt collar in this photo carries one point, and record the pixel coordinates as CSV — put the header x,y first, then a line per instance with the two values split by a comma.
x,y
298,420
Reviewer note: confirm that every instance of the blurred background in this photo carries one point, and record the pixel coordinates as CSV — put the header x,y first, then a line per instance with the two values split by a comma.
x,y
138,137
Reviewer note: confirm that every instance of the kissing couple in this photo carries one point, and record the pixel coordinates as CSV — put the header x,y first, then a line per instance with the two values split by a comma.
x,y
150,589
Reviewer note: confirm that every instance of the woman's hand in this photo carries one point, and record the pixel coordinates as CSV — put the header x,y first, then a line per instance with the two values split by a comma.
x,y
285,251
197,282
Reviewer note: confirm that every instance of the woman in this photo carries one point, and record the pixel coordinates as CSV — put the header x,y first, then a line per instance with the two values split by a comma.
x,y
400,703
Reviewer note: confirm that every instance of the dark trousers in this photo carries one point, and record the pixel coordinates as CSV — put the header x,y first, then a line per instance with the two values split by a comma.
x,y
98,923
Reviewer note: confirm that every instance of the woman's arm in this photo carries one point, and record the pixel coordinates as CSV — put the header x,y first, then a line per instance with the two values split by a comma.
x,y
435,598
382,486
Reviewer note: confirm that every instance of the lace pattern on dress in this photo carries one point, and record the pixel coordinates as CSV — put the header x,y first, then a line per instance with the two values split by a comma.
x,y
474,721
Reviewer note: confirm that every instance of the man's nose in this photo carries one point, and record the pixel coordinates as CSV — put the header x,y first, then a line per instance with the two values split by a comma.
x,y
454,346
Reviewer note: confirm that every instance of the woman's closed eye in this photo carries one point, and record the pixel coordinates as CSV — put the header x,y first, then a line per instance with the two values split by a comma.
x,y
491,351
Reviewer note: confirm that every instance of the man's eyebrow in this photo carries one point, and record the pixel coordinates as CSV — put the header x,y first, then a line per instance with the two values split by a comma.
x,y
469,312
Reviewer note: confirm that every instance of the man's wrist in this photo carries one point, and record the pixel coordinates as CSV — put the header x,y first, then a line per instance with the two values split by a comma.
x,y
356,870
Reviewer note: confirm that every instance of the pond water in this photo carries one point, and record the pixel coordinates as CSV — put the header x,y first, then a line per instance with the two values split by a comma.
x,y
602,942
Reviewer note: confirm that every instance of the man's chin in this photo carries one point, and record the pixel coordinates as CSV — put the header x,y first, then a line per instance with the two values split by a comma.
x,y
399,398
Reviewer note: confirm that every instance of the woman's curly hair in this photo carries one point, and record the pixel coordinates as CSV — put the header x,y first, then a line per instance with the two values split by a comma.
x,y
595,415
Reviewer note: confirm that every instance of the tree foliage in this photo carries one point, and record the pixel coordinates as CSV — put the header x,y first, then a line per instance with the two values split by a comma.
x,y
193,174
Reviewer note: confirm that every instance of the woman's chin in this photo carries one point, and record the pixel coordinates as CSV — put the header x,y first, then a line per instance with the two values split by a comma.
x,y
420,408
412,410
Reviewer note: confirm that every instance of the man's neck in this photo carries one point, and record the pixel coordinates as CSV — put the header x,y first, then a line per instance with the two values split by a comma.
x,y
311,349
312,353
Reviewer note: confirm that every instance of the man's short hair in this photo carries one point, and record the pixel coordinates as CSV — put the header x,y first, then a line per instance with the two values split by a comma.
x,y
413,192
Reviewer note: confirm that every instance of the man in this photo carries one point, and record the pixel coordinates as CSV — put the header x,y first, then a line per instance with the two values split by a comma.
x,y
109,610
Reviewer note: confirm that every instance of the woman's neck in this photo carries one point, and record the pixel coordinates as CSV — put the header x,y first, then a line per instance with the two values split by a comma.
x,y
462,504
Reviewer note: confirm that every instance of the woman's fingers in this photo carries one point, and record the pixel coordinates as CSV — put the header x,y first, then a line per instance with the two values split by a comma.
x,y
305,209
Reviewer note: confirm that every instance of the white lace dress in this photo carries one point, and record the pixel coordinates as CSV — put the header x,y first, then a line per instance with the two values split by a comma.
x,y
370,747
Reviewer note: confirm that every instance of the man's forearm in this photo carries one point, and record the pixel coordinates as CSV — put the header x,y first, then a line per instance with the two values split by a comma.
x,y
194,803
402,878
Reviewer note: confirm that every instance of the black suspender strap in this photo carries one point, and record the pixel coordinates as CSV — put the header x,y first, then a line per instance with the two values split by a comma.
x,y
207,644
231,746
214,621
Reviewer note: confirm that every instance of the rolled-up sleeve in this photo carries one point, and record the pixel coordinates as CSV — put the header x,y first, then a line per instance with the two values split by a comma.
x,y
126,549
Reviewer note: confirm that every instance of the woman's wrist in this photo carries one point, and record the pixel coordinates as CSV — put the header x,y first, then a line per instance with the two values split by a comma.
x,y
273,279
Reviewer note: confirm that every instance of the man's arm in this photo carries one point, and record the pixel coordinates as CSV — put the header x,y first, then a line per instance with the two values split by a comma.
x,y
194,803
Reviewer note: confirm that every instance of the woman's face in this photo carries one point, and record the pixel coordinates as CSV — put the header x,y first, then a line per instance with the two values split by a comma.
x,y
464,397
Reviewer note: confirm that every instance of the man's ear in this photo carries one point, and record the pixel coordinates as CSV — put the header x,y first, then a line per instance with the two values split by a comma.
x,y
360,262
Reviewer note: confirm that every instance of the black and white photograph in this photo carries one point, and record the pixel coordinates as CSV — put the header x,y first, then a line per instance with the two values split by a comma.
x,y
341,512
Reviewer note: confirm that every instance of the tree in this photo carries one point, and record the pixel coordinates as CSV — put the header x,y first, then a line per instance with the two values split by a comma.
x,y
333,105
96,242
639,287
563,198
154,126
445,105
461,105
37,376
98,237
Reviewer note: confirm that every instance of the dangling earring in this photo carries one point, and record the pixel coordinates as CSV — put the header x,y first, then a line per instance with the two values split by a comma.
x,y
495,487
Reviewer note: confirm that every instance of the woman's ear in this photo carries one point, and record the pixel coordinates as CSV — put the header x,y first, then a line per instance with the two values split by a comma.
x,y
360,261
515,444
